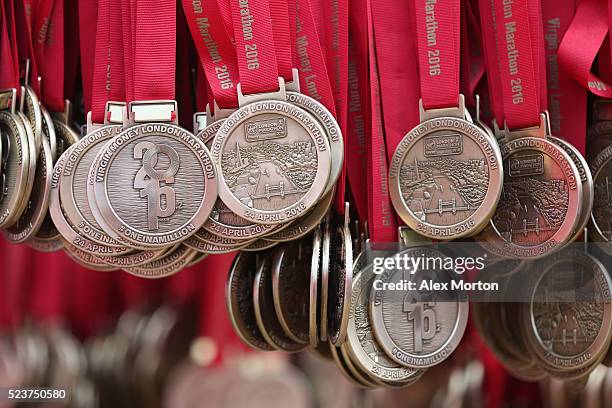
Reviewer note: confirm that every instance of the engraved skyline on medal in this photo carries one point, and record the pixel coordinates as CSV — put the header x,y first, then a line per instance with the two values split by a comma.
x,y
267,168
535,199
445,181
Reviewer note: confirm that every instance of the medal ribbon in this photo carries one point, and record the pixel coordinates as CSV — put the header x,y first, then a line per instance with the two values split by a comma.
x,y
438,29
253,36
154,61
9,69
581,43
215,50
88,11
381,220
281,29
357,110
513,39
102,72
50,57
24,44
566,99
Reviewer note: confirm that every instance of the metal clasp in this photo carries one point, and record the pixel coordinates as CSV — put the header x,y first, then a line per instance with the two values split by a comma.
x,y
281,94
294,84
114,113
453,112
151,111
540,131
200,121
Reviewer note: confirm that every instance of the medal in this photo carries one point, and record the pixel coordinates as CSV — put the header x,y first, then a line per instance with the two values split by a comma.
x,y
273,158
425,331
157,204
542,198
170,263
445,175
314,295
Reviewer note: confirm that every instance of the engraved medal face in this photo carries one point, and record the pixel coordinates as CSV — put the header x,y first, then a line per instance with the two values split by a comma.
x,y
33,113
332,130
155,184
362,344
74,181
239,301
19,158
167,265
340,281
38,202
412,326
541,199
290,283
265,315
274,162
569,323
208,248
223,221
445,178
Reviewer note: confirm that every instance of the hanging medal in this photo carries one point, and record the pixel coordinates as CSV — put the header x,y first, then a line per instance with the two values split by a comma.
x,y
154,183
19,148
273,157
446,174
542,198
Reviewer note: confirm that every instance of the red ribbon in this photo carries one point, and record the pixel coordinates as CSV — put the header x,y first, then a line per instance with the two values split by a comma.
x,y
438,28
253,36
215,50
88,10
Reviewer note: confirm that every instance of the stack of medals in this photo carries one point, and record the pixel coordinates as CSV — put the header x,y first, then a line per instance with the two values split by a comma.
x,y
31,138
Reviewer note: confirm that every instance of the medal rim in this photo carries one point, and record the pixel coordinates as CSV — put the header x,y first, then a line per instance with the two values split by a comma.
x,y
498,245
315,191
106,208
482,214
388,345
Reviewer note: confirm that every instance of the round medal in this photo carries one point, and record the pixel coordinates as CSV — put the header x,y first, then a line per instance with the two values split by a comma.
x,y
541,201
32,218
144,184
239,301
587,183
569,318
410,326
601,215
87,259
345,370
361,343
207,247
323,291
20,160
314,295
445,178
274,161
